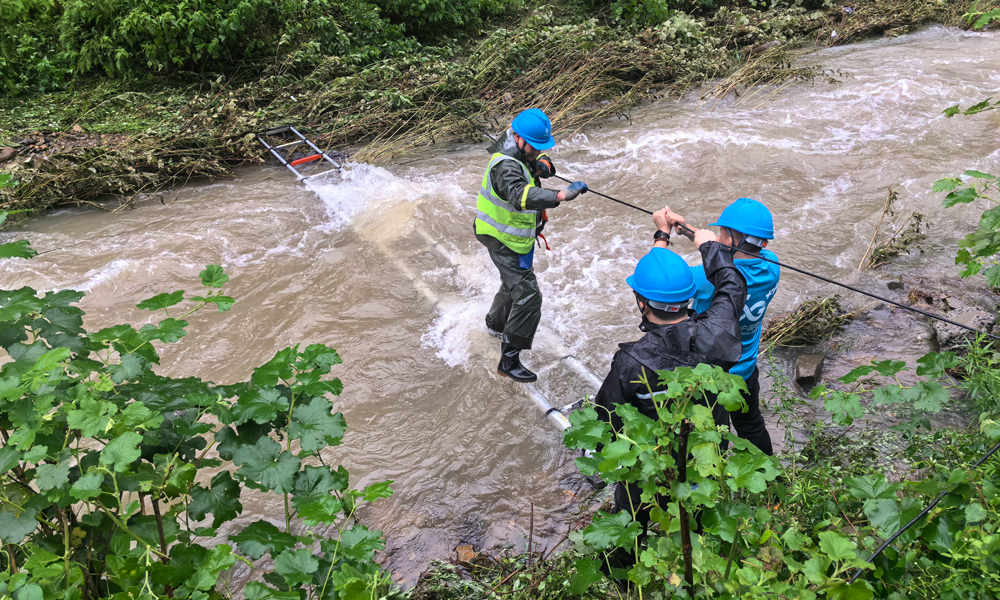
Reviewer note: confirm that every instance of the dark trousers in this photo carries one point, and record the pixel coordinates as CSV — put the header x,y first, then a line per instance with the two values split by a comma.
x,y
517,306
750,425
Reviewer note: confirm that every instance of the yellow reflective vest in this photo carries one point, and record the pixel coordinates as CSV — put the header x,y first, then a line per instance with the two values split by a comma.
x,y
510,223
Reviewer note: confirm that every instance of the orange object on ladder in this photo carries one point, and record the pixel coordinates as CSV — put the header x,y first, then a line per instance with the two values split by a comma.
x,y
307,159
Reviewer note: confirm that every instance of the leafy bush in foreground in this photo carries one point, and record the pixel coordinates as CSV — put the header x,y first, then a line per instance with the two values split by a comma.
x,y
737,524
103,491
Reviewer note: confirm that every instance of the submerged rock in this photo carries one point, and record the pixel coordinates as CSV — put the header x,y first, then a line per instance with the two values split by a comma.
x,y
809,370
952,338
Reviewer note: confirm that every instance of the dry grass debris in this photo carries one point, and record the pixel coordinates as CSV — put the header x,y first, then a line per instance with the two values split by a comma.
x,y
811,322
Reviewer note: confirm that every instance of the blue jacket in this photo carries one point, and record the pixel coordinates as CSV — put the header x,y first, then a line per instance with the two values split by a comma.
x,y
762,283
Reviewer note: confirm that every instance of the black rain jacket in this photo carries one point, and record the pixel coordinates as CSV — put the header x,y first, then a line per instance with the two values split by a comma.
x,y
712,337
508,178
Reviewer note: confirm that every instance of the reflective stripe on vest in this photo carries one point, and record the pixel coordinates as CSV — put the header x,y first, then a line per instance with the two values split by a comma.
x,y
511,224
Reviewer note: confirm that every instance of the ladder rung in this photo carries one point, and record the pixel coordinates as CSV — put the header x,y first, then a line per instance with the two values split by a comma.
x,y
277,131
295,143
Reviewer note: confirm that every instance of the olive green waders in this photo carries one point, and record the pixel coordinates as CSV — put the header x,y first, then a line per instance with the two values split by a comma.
x,y
517,306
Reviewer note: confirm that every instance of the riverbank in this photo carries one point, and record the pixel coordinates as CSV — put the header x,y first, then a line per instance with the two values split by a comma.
x,y
121,138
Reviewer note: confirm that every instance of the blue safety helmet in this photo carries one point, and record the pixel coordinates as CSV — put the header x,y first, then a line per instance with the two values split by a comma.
x,y
663,278
535,128
749,217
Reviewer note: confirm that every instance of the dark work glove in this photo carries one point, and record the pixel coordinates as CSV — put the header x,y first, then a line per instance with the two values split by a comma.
x,y
544,167
575,189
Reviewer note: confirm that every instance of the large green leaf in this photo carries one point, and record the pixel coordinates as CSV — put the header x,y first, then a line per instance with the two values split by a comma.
x,y
620,453
320,481
318,355
844,407
927,396
888,516
836,546
319,510
213,277
169,331
9,458
277,369
162,301
49,477
13,529
128,368
18,249
259,405
871,487
587,573
586,430
961,196
256,590
261,537
265,463
206,577
93,418
122,451
360,543
88,486
222,500
935,364
315,426
611,529
296,566
749,472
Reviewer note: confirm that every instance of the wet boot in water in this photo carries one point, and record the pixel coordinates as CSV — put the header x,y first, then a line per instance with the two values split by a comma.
x,y
510,365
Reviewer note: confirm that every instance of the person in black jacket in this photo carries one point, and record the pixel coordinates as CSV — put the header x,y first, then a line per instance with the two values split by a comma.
x,y
675,336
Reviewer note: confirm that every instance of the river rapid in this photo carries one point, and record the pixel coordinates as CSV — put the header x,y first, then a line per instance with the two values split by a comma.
x,y
381,264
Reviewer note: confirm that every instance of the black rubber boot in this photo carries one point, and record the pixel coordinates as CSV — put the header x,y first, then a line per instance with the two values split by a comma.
x,y
510,365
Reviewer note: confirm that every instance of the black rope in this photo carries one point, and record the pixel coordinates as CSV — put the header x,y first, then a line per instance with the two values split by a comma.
x,y
923,513
109,237
820,277
609,197
465,116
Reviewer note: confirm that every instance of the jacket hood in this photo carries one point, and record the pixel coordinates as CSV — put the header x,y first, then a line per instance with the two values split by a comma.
x,y
687,343
506,144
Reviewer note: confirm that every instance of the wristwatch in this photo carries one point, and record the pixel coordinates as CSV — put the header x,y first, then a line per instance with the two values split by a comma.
x,y
661,235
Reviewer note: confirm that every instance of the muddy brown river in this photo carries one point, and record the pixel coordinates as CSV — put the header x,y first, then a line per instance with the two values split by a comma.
x,y
381,264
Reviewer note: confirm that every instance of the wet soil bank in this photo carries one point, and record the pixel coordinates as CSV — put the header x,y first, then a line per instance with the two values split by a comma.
x,y
131,139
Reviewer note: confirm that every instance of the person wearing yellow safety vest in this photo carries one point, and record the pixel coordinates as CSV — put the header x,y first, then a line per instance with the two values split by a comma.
x,y
508,217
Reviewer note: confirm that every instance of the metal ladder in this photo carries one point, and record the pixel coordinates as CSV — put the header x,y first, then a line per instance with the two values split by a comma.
x,y
289,147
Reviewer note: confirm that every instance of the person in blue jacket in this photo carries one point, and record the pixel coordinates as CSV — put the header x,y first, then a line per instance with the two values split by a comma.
x,y
746,226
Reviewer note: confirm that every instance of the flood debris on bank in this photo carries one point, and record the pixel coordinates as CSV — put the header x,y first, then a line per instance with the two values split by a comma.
x,y
809,323
579,69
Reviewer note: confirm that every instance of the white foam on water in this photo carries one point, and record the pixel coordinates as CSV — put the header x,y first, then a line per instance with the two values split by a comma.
x,y
362,188
96,277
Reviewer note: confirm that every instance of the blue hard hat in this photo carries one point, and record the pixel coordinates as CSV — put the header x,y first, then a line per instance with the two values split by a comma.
x,y
662,276
749,217
535,128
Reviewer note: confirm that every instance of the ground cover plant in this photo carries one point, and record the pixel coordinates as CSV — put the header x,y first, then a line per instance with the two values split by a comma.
x,y
102,461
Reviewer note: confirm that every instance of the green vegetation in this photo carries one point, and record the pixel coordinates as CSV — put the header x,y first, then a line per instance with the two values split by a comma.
x,y
738,524
103,491
108,97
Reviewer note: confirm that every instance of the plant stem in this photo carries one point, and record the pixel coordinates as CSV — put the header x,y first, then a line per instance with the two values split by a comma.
x,y
686,428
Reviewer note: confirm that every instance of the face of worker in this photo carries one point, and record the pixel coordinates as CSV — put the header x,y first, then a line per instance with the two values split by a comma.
x,y
529,151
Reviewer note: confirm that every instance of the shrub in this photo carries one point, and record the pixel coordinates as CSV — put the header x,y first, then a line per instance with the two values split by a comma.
x,y
103,490
42,43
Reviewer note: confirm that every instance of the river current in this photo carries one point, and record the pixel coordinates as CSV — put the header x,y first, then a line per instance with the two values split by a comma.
x,y
381,264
